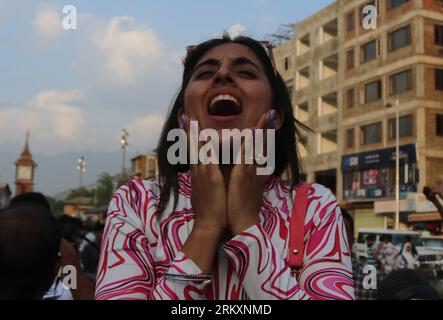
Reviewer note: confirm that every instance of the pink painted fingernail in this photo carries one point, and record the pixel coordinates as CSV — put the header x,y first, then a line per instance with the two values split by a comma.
x,y
183,120
270,116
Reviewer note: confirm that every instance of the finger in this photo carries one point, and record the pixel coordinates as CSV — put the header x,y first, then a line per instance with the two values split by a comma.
x,y
245,153
185,125
190,139
194,141
266,121
204,141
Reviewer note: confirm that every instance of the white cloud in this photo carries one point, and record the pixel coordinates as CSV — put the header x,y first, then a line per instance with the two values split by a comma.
x,y
52,117
236,30
125,68
127,81
129,50
59,122
47,23
145,132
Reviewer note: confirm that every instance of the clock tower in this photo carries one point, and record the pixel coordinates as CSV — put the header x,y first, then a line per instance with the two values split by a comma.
x,y
24,170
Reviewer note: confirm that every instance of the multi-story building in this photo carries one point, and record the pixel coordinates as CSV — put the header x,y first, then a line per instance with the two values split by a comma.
x,y
144,166
77,207
309,64
347,83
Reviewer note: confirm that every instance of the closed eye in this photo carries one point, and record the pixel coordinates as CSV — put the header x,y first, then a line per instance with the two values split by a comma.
x,y
204,74
247,74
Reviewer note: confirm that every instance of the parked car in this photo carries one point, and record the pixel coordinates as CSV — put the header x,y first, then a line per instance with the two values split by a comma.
x,y
432,242
431,255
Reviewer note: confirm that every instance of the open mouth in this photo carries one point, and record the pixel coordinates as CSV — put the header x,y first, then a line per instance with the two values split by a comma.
x,y
224,105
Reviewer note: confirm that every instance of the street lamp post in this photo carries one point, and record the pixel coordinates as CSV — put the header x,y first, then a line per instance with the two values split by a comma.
x,y
124,143
397,166
81,167
397,163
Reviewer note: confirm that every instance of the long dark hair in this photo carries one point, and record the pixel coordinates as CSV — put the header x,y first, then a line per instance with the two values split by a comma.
x,y
287,160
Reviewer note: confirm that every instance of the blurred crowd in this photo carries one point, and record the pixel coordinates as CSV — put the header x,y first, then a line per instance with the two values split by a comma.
x,y
44,257
396,275
47,258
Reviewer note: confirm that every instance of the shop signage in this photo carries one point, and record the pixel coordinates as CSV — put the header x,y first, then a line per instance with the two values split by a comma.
x,y
379,158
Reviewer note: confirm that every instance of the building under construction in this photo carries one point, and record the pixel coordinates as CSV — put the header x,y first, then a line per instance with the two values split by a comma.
x,y
346,82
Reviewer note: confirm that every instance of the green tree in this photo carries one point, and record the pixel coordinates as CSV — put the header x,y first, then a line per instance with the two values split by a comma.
x,y
104,189
81,192
56,206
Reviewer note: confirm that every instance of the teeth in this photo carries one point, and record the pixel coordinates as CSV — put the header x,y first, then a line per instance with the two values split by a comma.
x,y
224,97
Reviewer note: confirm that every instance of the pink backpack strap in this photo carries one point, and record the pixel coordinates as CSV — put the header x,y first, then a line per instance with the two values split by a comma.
x,y
297,228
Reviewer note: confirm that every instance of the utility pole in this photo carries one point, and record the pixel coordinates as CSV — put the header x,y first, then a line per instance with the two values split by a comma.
x,y
124,143
81,167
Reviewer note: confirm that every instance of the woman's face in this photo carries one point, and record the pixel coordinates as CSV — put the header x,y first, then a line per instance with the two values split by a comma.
x,y
228,89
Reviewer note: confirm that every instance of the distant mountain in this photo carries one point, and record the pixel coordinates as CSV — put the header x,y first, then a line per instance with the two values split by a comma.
x,y
56,175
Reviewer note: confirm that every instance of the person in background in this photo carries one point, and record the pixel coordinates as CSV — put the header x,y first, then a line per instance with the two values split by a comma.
x,y
407,258
357,265
406,284
387,255
370,244
85,286
378,250
66,255
90,235
362,293
29,246
91,253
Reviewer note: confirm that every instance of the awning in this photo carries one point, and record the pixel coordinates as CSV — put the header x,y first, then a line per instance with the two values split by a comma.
x,y
413,202
424,217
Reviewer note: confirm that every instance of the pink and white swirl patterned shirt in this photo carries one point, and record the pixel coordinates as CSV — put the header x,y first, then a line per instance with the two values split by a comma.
x,y
140,245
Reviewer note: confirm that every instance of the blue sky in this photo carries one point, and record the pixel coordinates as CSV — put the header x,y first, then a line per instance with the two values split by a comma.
x,y
75,90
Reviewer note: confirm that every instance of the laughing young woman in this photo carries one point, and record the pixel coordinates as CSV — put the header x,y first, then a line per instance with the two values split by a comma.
x,y
221,231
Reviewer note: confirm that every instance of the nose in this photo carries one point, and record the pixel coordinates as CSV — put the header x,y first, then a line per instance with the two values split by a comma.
x,y
223,77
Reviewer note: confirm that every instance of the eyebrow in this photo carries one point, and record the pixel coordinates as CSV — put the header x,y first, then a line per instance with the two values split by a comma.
x,y
237,61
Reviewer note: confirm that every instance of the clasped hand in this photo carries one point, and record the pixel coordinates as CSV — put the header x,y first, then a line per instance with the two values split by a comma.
x,y
233,207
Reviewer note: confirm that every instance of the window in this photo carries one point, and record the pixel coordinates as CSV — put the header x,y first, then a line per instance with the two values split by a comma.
x,y
369,51
439,79
405,127
373,91
371,133
350,61
401,82
395,3
350,22
286,64
350,137
439,124
400,38
350,101
439,35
